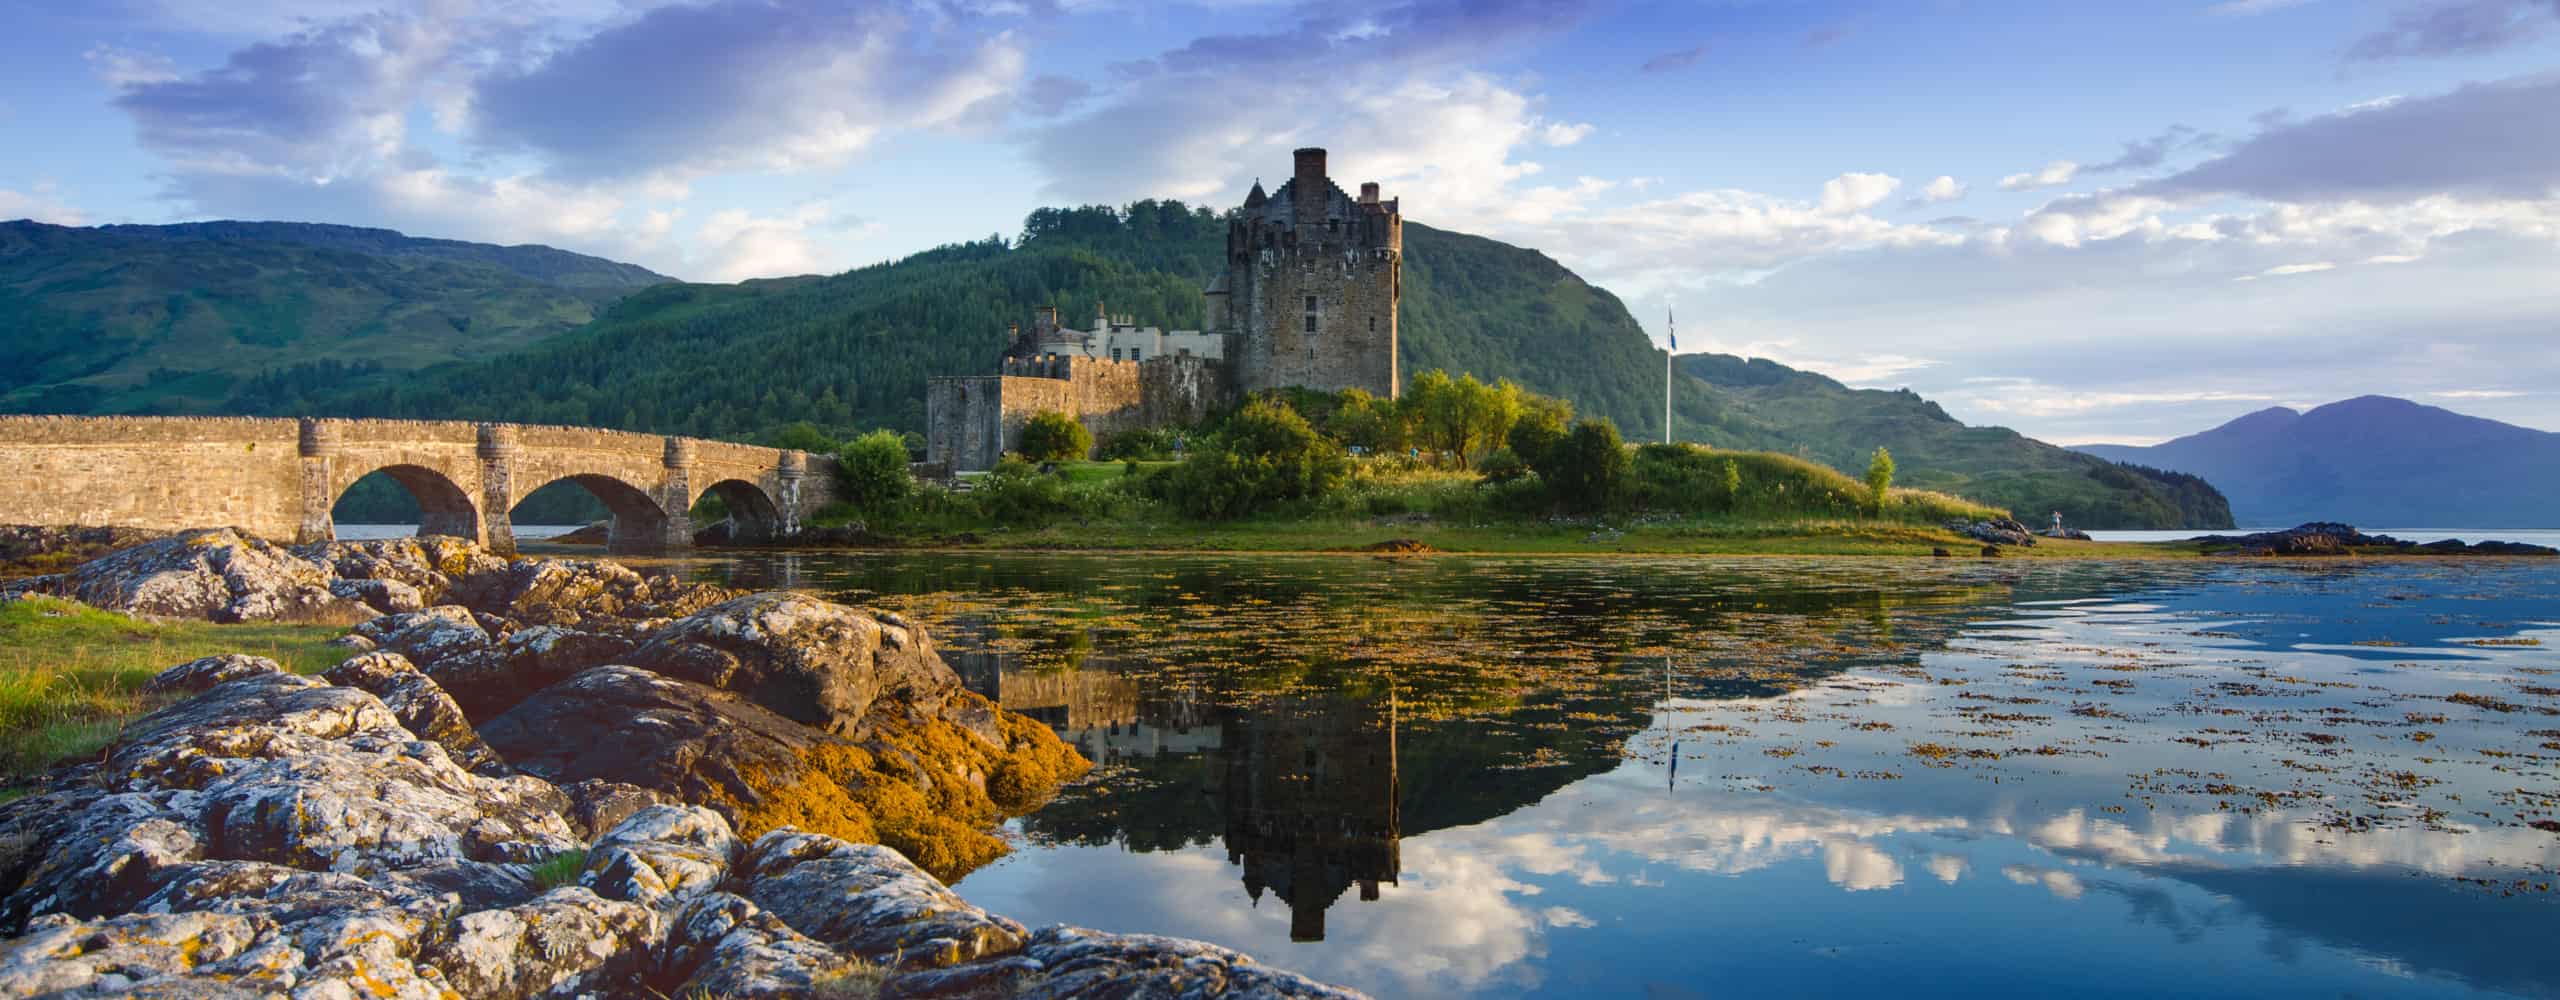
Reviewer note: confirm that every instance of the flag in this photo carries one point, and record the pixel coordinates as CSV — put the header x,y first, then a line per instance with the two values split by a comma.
x,y
1672,316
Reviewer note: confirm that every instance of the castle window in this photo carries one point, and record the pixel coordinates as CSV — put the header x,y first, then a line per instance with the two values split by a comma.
x,y
1312,313
1115,354
1137,354
1373,324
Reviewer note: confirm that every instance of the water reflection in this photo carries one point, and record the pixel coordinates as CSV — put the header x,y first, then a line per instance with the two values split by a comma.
x,y
1692,778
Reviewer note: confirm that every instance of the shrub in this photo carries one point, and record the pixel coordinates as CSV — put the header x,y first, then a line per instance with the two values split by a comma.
x,y
1503,465
1017,493
872,472
1879,477
1587,471
1265,454
1051,436
1145,444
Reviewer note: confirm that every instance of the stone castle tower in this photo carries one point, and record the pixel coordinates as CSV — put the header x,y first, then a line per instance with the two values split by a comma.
x,y
1311,288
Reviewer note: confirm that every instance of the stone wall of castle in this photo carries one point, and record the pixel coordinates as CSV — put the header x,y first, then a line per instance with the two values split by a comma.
x,y
972,420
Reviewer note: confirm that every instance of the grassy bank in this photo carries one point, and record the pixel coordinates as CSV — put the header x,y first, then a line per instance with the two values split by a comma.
x,y
71,675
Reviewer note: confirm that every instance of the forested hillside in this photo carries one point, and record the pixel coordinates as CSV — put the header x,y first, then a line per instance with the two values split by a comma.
x,y
1758,404
176,319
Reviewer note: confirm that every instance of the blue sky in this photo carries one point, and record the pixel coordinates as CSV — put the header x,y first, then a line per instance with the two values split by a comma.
x,y
2089,221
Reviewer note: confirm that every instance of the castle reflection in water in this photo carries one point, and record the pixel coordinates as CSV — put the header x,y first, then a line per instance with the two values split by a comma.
x,y
1304,786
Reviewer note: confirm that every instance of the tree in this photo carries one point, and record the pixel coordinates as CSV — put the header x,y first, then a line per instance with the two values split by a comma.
x,y
1879,476
1265,454
872,472
1051,436
804,436
1587,471
1732,485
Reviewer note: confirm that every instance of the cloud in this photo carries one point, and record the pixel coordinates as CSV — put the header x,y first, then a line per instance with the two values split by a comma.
x,y
2477,394
41,202
2311,268
1681,59
2143,154
1850,193
2243,8
1561,134
2054,174
2498,140
2443,28
1942,188
742,84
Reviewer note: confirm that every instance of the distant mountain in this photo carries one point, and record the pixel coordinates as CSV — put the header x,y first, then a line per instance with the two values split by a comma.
x,y
1759,404
172,319
2373,461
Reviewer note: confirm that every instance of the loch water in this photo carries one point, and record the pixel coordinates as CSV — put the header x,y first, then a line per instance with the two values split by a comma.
x,y
1488,777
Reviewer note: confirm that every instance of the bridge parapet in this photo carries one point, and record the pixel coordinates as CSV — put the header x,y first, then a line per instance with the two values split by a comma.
x,y
279,477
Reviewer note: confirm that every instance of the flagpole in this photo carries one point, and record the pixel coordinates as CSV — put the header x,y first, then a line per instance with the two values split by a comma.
x,y
1671,316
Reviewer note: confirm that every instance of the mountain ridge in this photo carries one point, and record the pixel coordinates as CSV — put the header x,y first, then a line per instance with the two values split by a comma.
x,y
2372,460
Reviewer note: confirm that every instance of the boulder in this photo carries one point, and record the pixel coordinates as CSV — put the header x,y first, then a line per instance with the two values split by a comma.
x,y
2002,531
428,565
214,574
449,644
633,727
199,675
576,591
565,942
596,807
870,901
811,661
660,855
420,704
1074,962
723,945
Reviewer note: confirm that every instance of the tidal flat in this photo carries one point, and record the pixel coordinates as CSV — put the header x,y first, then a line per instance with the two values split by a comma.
x,y
1676,777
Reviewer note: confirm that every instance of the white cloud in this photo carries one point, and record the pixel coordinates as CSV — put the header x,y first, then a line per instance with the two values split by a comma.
x,y
2054,174
1852,193
1944,188
1561,134
2476,394
2310,268
41,202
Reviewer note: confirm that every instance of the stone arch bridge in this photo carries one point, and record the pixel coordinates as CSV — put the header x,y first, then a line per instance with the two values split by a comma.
x,y
278,478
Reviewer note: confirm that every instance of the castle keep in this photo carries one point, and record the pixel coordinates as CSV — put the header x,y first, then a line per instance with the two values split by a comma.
x,y
1313,276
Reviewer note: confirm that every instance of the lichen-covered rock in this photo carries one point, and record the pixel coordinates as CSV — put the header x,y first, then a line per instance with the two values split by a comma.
x,y
199,675
449,645
811,661
596,807
1075,963
539,656
60,955
722,945
661,854
578,591
870,901
421,705
389,597
564,942
428,565
213,574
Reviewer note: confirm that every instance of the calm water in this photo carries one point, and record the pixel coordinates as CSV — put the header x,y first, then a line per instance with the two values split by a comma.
x,y
1688,778
2529,536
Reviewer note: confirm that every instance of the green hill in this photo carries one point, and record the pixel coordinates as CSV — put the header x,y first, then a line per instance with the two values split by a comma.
x,y
173,319
853,350
1758,404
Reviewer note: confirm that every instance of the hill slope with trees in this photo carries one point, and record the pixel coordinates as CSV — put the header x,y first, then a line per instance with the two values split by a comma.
x,y
179,319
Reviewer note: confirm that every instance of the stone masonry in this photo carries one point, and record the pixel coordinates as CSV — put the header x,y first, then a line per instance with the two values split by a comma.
x,y
278,478
1309,298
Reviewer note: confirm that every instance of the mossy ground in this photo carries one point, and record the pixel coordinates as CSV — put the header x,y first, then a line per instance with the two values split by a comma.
x,y
70,675
925,787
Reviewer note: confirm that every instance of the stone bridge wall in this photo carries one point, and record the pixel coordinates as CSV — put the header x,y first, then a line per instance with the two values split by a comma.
x,y
278,478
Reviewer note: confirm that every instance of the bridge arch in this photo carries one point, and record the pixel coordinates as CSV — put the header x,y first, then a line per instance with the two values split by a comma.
x,y
636,522
444,506
754,515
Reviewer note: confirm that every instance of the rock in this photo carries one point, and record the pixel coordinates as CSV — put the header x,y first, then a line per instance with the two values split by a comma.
x,y
556,591
212,574
2004,531
870,901
1941,552
386,596
660,855
61,955
199,675
1991,552
429,565
31,549
1074,962
723,945
630,726
420,704
596,807
595,533
562,943
808,660
543,655
448,645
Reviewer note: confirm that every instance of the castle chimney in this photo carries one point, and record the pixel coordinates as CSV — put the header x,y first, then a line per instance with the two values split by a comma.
x,y
1311,186
1369,193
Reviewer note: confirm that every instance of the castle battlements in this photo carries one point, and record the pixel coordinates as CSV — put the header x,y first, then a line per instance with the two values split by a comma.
x,y
1308,298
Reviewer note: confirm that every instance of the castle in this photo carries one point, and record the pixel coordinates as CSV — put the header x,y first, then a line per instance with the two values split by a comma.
x,y
1313,277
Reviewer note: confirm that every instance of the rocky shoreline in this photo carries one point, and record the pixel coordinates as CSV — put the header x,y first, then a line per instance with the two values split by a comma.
x,y
539,778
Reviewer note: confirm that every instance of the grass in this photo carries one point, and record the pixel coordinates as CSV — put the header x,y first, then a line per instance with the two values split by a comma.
x,y
70,675
561,869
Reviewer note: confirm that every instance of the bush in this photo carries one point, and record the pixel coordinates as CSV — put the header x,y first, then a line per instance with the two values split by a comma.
x,y
872,472
1587,471
1146,444
1265,454
1019,494
1879,477
1051,436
